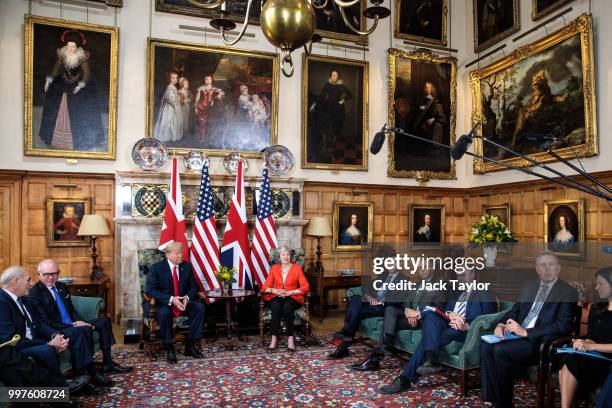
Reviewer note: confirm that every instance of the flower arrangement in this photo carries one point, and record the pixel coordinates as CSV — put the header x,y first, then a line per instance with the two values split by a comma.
x,y
226,275
489,231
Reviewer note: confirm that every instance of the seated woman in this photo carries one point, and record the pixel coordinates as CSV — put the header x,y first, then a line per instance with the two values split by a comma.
x,y
586,371
284,288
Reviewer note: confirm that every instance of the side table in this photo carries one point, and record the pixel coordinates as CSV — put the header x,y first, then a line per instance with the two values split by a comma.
x,y
322,285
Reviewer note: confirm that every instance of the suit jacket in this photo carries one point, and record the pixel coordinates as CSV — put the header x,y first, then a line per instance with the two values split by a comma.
x,y
480,302
556,317
434,298
46,306
160,286
295,280
12,322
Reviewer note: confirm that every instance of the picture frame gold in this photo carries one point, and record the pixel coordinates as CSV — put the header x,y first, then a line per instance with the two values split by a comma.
x,y
316,66
503,212
418,237
538,14
189,10
344,212
397,30
269,83
571,242
335,35
516,26
62,224
42,41
424,57
579,30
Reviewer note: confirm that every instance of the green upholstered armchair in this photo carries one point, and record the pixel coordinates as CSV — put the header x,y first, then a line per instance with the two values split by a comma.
x,y
461,356
149,329
302,314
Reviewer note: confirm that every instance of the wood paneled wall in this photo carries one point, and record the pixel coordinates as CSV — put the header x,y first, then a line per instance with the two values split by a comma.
x,y
25,229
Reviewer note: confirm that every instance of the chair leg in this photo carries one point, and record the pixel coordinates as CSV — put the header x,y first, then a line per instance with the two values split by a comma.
x,y
463,383
540,394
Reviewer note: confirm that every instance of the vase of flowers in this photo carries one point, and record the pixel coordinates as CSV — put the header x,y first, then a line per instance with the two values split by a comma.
x,y
490,232
226,277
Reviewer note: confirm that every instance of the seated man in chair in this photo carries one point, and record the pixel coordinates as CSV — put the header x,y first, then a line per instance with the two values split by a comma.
x,y
172,284
545,310
439,331
54,306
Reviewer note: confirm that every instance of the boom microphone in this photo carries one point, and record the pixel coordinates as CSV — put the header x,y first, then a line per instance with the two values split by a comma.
x,y
379,139
463,144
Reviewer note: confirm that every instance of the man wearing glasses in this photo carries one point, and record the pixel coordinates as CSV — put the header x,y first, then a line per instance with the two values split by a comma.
x,y
54,306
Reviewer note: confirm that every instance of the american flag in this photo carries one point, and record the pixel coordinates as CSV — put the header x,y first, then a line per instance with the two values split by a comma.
x,y
205,244
264,235
235,245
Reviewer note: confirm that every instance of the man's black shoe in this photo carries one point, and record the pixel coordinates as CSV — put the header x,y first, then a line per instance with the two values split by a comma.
x,y
193,352
99,380
398,385
171,357
89,390
429,368
339,352
116,368
77,383
369,364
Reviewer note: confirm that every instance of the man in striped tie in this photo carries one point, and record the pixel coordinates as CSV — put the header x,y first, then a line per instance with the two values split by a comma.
x,y
440,329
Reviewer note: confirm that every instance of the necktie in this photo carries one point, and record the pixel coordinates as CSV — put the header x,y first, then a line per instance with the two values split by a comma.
x,y
61,306
175,311
461,305
29,322
537,306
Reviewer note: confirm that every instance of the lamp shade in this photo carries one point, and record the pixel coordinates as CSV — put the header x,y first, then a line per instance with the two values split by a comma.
x,y
94,224
319,227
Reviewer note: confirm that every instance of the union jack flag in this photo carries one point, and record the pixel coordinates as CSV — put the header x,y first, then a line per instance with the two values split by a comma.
x,y
264,235
235,244
205,243
173,226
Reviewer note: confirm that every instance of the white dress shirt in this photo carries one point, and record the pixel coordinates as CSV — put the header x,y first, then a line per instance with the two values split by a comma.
x,y
24,311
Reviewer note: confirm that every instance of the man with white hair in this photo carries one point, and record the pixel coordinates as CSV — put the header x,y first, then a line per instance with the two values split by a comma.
x,y
172,284
54,306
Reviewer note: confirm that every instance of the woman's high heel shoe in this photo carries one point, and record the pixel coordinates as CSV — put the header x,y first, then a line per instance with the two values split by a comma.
x,y
271,350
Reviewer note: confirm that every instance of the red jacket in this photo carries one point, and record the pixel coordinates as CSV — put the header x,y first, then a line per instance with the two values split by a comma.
x,y
295,276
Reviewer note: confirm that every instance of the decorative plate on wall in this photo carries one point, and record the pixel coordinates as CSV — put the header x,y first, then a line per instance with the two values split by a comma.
x,y
230,163
149,153
194,160
279,160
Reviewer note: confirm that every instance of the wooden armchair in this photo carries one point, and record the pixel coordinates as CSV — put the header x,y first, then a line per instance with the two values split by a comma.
x,y
302,314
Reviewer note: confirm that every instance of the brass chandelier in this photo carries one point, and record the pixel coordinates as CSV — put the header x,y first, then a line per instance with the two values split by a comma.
x,y
290,24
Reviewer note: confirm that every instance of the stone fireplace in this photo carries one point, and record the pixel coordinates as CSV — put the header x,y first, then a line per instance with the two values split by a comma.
x,y
139,218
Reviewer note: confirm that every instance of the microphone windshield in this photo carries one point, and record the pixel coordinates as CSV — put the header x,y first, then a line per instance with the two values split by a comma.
x,y
460,147
377,143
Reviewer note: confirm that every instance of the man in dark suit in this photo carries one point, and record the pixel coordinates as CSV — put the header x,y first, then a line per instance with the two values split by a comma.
x,y
55,308
371,303
172,284
404,315
440,330
545,310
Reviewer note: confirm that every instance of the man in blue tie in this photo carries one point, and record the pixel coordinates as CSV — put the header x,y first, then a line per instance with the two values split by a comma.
x,y
53,305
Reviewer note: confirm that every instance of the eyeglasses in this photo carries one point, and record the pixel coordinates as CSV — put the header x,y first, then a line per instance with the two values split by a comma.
x,y
46,275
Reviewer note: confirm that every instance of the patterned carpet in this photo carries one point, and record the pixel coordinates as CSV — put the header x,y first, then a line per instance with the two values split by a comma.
x,y
249,377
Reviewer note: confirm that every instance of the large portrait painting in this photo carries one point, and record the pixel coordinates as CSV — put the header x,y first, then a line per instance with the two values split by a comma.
x,y
353,225
494,20
426,225
564,227
421,21
70,89
540,97
235,8
334,113
541,8
422,101
329,22
64,217
217,99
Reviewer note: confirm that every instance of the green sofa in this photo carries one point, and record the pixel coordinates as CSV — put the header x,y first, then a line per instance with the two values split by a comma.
x,y
462,356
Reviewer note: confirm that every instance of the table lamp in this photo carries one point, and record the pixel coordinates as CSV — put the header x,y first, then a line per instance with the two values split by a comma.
x,y
94,225
319,227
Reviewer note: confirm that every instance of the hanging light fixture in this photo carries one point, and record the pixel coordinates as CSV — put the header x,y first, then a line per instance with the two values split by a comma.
x,y
290,24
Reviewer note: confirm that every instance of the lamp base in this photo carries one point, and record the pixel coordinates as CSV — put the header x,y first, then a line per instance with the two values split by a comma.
x,y
96,273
